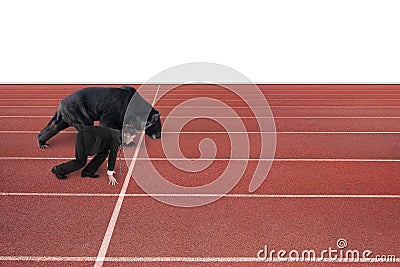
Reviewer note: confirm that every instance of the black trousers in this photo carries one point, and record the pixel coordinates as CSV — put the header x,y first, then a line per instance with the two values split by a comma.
x,y
81,159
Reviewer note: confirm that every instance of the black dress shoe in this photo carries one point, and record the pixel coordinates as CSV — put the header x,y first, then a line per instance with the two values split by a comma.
x,y
90,175
58,173
43,145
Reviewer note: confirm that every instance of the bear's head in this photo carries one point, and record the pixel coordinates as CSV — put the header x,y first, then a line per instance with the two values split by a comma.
x,y
153,125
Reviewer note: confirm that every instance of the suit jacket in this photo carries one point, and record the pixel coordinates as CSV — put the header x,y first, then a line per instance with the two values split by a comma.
x,y
98,139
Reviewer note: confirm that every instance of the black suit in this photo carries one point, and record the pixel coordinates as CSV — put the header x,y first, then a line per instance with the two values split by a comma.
x,y
94,140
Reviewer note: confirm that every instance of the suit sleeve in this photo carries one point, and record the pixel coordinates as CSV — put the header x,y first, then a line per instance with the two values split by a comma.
x,y
112,157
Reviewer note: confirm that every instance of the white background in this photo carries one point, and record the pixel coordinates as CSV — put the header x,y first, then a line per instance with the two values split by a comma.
x,y
84,41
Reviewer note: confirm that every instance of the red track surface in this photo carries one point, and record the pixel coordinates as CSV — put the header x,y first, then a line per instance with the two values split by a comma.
x,y
335,175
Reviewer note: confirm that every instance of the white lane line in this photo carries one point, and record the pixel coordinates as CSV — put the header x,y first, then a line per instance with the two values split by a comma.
x,y
171,93
198,195
29,99
49,94
207,93
184,259
187,132
281,132
282,94
272,106
24,116
278,132
46,258
286,117
111,226
282,99
221,91
28,106
34,158
231,100
220,159
36,132
242,117
276,160
282,106
58,194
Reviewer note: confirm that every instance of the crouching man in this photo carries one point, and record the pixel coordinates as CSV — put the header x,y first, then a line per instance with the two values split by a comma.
x,y
99,142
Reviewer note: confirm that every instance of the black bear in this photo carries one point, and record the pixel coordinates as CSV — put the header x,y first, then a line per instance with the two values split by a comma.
x,y
108,105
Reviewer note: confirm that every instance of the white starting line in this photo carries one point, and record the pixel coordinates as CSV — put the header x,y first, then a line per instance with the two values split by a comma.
x,y
181,259
239,117
217,159
253,106
195,195
248,132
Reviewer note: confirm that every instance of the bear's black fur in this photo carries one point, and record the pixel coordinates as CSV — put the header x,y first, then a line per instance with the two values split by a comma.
x,y
107,105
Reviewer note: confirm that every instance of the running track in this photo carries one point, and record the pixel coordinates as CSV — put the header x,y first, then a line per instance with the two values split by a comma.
x,y
335,175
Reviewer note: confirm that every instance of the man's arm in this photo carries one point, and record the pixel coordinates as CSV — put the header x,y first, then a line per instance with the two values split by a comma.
x,y
112,157
106,134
